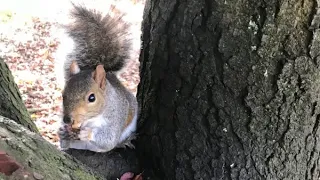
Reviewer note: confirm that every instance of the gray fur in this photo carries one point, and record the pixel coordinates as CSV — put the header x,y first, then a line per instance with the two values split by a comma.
x,y
119,101
76,88
98,40
108,132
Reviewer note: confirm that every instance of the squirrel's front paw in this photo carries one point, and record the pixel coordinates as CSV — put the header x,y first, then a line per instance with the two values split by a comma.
x,y
86,134
64,144
64,132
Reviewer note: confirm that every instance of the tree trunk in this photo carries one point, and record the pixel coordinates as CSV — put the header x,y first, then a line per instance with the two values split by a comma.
x,y
11,104
230,89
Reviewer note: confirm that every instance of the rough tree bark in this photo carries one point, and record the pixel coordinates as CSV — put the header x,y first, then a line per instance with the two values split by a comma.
x,y
11,104
27,154
32,157
230,89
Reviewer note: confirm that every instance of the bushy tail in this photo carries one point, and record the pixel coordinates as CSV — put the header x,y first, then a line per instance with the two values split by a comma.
x,y
99,39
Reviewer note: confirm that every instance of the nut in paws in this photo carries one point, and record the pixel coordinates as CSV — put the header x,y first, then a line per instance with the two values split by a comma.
x,y
86,134
66,133
63,133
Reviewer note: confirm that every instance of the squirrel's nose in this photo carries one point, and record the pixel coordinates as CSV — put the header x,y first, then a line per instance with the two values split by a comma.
x,y
67,119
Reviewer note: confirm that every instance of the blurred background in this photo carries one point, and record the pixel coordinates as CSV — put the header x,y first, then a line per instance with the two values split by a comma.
x,y
29,38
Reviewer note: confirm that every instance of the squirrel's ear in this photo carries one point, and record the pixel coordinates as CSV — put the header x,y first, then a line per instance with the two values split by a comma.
x,y
99,75
74,68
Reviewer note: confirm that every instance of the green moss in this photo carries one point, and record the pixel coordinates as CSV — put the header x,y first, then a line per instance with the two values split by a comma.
x,y
83,176
37,155
2,176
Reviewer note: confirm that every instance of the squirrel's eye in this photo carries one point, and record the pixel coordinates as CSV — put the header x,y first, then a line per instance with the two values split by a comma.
x,y
91,98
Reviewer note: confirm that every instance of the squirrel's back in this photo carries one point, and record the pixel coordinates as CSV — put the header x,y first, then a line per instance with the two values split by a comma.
x,y
98,39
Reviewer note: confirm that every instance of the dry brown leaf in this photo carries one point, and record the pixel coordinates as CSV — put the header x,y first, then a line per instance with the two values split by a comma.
x,y
138,177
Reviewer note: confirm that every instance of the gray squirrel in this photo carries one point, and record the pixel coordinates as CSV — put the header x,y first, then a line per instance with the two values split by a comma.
x,y
99,113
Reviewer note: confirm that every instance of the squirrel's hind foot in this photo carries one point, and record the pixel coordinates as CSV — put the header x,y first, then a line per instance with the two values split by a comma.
x,y
127,142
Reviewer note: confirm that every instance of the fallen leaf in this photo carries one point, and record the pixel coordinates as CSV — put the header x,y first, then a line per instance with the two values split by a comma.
x,y
7,164
138,177
127,176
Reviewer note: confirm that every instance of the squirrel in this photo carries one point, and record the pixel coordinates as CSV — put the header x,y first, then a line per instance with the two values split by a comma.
x,y
99,113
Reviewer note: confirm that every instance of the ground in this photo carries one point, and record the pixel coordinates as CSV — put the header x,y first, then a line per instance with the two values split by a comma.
x,y
29,38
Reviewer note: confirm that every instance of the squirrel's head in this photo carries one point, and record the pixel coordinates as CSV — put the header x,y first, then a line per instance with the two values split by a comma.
x,y
83,95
